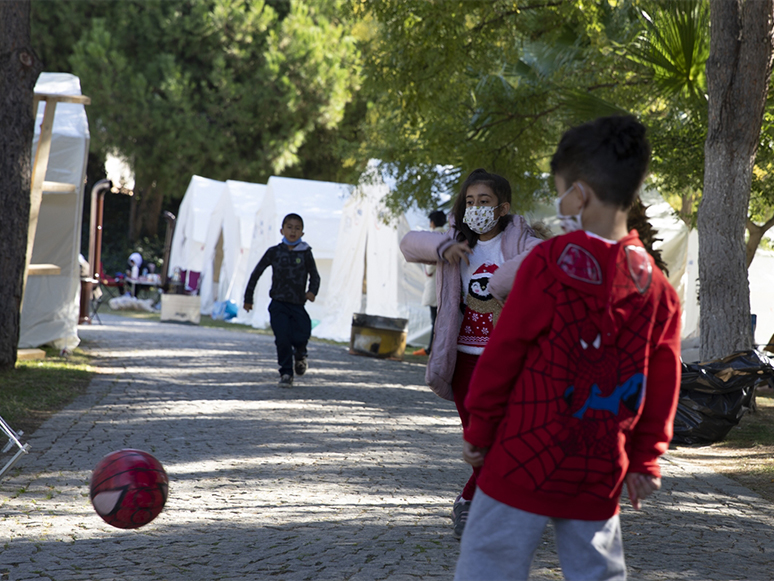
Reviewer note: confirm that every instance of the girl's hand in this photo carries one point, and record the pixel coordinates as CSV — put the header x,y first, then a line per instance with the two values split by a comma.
x,y
640,487
473,455
457,252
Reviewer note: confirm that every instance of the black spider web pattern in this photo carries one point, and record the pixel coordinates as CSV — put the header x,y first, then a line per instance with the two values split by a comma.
x,y
551,451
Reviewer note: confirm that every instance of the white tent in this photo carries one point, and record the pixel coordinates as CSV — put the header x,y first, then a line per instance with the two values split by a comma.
x,y
320,204
369,274
52,302
243,216
193,224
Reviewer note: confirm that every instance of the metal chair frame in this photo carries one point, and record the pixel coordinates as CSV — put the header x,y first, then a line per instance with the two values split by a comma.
x,y
13,440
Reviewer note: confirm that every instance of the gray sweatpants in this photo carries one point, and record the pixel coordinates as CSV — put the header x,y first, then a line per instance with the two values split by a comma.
x,y
499,542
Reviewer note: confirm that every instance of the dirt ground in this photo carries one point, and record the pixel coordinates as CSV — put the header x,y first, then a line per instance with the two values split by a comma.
x,y
747,453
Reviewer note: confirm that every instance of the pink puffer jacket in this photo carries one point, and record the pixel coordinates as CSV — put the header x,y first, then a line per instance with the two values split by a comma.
x,y
428,248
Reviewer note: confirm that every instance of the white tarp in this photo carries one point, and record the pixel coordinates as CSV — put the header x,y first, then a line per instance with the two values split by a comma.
x,y
52,302
243,216
320,205
760,277
673,236
368,260
193,224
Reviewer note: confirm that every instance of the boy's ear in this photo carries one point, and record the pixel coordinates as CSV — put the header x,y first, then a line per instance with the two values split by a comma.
x,y
587,190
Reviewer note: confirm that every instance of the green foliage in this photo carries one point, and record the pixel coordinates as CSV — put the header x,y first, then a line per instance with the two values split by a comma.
x,y
57,26
674,44
485,84
670,52
229,89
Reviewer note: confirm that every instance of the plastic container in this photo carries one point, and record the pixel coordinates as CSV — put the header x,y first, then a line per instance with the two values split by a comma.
x,y
377,336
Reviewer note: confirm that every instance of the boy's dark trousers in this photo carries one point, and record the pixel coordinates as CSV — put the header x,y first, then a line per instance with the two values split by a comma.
x,y
292,328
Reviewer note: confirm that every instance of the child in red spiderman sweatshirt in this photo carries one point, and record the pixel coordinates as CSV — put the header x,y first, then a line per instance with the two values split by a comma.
x,y
576,391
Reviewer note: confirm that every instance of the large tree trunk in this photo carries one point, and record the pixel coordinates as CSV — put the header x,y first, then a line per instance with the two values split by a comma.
x,y
19,69
738,72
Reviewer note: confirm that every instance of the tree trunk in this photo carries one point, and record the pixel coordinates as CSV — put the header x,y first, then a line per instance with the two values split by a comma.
x,y
756,235
738,72
147,204
149,213
19,69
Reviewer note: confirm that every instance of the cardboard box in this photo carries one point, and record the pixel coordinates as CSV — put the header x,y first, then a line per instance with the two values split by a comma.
x,y
181,309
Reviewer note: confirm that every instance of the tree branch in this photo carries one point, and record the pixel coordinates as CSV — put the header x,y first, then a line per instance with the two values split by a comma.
x,y
504,15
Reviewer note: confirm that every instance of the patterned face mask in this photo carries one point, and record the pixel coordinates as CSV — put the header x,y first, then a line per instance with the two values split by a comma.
x,y
481,219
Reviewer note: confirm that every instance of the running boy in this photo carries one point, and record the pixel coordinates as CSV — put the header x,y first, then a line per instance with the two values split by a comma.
x,y
577,388
291,264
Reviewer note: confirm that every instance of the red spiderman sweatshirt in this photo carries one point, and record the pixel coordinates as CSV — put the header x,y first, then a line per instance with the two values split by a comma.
x,y
578,384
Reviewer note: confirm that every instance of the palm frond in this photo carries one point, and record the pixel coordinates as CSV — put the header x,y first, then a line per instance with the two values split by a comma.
x,y
674,47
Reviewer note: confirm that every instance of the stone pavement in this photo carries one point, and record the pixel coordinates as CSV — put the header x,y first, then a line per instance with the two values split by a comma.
x,y
348,475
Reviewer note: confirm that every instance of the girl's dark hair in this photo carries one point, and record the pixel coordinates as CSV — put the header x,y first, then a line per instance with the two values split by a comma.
x,y
501,188
611,154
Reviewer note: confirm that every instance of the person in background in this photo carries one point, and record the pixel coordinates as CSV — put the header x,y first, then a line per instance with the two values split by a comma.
x,y
437,223
477,260
136,264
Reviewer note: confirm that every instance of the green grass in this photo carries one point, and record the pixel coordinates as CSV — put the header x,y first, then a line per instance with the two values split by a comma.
x,y
755,429
36,389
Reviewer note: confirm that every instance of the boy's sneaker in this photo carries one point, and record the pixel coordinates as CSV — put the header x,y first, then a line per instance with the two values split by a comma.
x,y
460,512
301,366
286,381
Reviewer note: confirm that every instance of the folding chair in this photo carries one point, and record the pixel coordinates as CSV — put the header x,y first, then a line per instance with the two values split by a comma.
x,y
108,288
13,440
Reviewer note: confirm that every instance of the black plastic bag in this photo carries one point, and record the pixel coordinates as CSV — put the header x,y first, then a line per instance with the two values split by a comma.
x,y
715,395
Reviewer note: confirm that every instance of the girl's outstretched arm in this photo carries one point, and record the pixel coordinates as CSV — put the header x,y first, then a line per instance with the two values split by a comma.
x,y
419,246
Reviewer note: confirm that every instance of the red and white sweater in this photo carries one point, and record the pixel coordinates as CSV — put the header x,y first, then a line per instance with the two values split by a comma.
x,y
579,382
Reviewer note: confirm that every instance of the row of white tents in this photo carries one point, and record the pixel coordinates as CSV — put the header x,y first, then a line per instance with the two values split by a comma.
x,y
224,227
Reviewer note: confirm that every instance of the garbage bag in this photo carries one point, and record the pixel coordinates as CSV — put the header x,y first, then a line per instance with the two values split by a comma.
x,y
714,395
224,310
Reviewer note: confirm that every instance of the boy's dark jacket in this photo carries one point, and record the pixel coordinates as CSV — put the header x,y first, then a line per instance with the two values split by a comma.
x,y
290,269
578,384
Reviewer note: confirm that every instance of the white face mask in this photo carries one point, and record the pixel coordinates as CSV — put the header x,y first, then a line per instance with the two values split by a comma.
x,y
481,219
570,223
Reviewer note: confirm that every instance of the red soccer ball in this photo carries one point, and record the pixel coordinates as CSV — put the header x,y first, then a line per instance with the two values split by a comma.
x,y
128,488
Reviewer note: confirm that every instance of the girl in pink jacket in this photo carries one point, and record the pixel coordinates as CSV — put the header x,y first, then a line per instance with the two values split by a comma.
x,y
477,260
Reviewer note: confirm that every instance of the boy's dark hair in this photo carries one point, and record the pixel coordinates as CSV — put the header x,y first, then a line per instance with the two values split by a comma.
x,y
611,154
501,188
438,218
292,217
